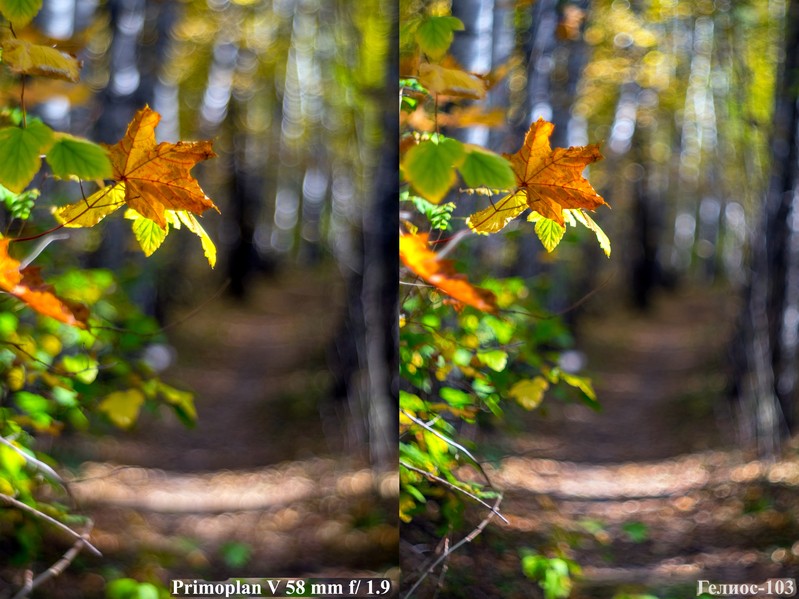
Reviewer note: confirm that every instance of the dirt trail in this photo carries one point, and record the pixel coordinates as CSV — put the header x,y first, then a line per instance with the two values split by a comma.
x,y
649,494
262,467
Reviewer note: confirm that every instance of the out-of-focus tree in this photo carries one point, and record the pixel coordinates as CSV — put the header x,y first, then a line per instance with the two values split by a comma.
x,y
766,383
295,93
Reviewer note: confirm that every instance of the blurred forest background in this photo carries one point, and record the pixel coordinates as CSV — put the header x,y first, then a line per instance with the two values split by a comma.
x,y
288,344
689,331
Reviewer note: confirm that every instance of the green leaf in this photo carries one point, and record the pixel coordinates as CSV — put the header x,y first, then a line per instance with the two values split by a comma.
x,y
455,397
438,215
583,384
31,403
483,168
235,554
502,329
410,401
21,149
20,12
416,456
637,532
430,166
8,324
529,393
549,232
19,205
416,493
147,232
181,401
495,359
72,156
122,407
435,34
128,588
11,461
81,366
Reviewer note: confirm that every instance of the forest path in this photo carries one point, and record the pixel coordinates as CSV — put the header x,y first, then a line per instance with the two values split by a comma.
x,y
647,495
266,469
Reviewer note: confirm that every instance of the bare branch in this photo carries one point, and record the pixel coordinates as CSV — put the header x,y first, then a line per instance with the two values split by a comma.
x,y
449,441
34,512
438,479
467,539
36,464
57,568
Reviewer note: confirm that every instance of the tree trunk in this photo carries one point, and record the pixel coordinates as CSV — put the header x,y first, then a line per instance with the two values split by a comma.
x,y
766,381
365,359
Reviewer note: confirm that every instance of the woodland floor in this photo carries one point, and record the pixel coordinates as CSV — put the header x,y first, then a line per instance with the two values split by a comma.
x,y
649,494
265,472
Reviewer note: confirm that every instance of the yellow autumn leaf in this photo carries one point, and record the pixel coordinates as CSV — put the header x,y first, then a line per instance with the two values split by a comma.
x,y
193,225
25,58
498,214
90,211
451,82
122,407
529,393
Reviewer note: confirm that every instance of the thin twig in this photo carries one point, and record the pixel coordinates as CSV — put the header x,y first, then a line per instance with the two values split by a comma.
x,y
467,539
443,573
36,464
56,569
449,441
452,242
445,482
45,241
34,512
171,325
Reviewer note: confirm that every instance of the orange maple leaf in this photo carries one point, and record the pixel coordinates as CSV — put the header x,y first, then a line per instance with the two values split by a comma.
x,y
551,180
415,254
26,284
157,177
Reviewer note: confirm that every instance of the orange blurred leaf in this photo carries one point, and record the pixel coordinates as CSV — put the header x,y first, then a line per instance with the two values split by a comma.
x,y
415,254
28,286
157,176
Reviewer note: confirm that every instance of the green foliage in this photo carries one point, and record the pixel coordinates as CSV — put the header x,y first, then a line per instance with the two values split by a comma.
x,y
235,554
73,347
21,148
430,167
637,532
438,215
20,12
71,156
19,205
554,575
474,354
128,588
435,34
